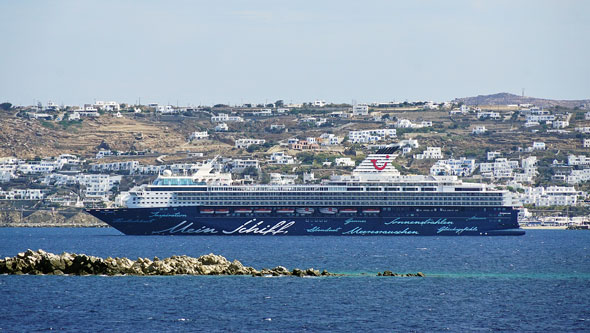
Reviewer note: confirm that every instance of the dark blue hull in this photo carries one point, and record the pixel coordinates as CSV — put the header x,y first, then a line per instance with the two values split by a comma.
x,y
367,221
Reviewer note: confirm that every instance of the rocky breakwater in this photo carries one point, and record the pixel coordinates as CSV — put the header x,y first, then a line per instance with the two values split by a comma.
x,y
43,263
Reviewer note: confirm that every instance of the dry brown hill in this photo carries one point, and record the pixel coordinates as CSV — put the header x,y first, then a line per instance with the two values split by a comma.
x,y
507,98
26,138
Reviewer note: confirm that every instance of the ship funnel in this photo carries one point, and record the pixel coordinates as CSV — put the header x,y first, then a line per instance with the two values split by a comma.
x,y
379,164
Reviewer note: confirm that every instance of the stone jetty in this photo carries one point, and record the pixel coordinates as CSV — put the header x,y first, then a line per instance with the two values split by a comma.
x,y
43,263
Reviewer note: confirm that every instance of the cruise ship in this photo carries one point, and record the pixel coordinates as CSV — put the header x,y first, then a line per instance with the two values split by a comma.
x,y
375,200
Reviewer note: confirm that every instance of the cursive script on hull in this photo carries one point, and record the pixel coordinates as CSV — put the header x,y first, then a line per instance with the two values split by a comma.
x,y
458,231
186,228
253,227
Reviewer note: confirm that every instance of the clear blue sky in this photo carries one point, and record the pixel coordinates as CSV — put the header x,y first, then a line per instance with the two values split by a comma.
x,y
204,52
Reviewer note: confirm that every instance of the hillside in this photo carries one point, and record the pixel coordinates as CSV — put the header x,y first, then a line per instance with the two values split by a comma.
x,y
24,138
507,98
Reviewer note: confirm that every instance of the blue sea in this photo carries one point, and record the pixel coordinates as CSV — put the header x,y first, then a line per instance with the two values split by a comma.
x,y
537,282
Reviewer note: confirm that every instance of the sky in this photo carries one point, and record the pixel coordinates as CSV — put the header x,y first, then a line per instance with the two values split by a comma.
x,y
255,51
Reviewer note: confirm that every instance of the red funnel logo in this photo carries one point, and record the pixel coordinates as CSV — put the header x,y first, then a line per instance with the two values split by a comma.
x,y
380,167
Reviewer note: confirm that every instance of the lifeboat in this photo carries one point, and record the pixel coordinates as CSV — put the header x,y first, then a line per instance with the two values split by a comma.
x,y
371,211
330,211
348,211
222,211
243,211
262,210
285,210
207,211
305,211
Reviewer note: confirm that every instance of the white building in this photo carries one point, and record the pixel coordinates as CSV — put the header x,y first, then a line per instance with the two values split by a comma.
x,y
529,170
430,153
587,115
453,167
540,117
370,136
578,160
488,115
281,179
412,143
344,161
586,143
492,155
263,113
198,135
500,168
561,124
90,114
107,106
238,165
40,167
98,186
74,116
479,130
6,176
360,110
281,158
221,127
550,196
102,153
25,194
222,117
130,166
245,143
329,139
585,130
165,109
308,177
319,103
538,146
578,176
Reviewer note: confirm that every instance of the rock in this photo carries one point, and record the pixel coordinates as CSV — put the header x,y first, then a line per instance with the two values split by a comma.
x,y
390,273
280,270
297,272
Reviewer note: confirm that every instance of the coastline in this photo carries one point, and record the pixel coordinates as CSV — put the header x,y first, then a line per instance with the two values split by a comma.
x,y
544,227
49,219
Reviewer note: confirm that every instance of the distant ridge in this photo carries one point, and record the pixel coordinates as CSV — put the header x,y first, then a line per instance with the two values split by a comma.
x,y
507,98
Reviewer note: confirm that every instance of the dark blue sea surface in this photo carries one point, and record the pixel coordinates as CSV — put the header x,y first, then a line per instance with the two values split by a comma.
x,y
537,282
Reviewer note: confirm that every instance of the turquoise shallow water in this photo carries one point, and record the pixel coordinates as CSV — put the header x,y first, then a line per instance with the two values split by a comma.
x,y
536,282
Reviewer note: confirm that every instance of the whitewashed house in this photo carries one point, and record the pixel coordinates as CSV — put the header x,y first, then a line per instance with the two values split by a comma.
x,y
245,143
479,130
281,158
500,168
453,167
578,160
344,161
539,146
221,127
430,153
198,135
360,109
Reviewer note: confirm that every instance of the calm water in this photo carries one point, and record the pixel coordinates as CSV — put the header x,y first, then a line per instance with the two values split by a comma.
x,y
540,281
